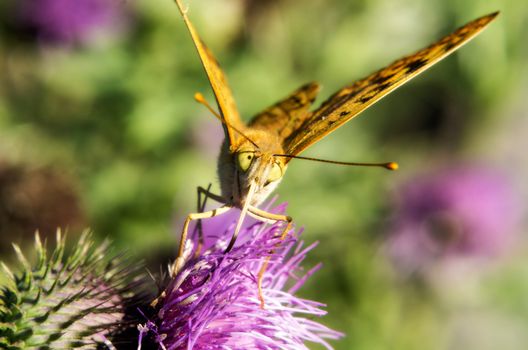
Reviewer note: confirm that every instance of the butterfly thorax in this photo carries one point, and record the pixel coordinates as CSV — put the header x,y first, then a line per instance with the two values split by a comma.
x,y
250,161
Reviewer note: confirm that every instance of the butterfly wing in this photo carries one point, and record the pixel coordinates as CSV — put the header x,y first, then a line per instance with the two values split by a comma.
x,y
224,97
287,115
348,102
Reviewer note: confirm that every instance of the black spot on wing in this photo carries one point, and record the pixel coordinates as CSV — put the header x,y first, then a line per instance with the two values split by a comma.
x,y
450,44
382,87
344,113
356,92
415,65
381,79
296,99
334,102
366,98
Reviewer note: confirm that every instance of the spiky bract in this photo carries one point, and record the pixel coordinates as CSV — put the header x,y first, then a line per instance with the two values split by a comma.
x,y
66,301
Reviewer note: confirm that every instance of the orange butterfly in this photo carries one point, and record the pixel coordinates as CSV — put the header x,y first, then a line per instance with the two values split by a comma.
x,y
255,156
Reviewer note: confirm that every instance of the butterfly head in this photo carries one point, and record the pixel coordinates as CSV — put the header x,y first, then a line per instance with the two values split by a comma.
x,y
251,164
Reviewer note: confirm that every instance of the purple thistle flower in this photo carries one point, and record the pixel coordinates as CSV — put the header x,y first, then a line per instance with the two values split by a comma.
x,y
213,302
73,21
458,212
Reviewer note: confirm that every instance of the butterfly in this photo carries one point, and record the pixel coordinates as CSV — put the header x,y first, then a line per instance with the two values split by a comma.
x,y
255,155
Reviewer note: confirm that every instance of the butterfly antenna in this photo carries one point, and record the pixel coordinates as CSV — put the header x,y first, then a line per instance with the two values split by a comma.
x,y
201,100
389,165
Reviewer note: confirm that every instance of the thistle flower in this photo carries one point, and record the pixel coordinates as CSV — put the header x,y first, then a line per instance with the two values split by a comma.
x,y
64,302
458,212
213,302
73,21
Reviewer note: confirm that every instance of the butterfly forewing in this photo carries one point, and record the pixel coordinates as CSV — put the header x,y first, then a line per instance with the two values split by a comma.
x,y
352,100
287,115
218,81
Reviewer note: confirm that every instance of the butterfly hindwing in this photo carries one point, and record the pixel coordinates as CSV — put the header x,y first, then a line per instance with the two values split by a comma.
x,y
348,102
218,81
287,115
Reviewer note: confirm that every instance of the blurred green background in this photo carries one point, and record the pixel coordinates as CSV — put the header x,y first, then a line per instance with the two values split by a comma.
x,y
102,131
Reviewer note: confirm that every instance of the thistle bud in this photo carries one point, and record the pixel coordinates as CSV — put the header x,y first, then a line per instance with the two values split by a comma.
x,y
64,301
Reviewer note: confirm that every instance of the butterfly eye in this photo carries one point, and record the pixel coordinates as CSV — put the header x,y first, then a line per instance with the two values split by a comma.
x,y
244,160
275,173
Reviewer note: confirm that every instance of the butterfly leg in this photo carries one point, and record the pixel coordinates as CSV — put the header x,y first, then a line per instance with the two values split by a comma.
x,y
205,192
200,208
180,260
267,217
211,195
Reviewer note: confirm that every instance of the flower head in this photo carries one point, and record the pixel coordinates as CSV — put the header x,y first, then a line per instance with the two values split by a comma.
x,y
462,211
213,302
72,21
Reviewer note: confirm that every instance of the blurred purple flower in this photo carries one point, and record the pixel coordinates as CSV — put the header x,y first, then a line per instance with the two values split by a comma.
x,y
213,302
458,212
207,136
73,21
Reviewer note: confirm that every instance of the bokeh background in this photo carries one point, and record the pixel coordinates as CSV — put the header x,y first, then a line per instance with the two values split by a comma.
x,y
98,129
